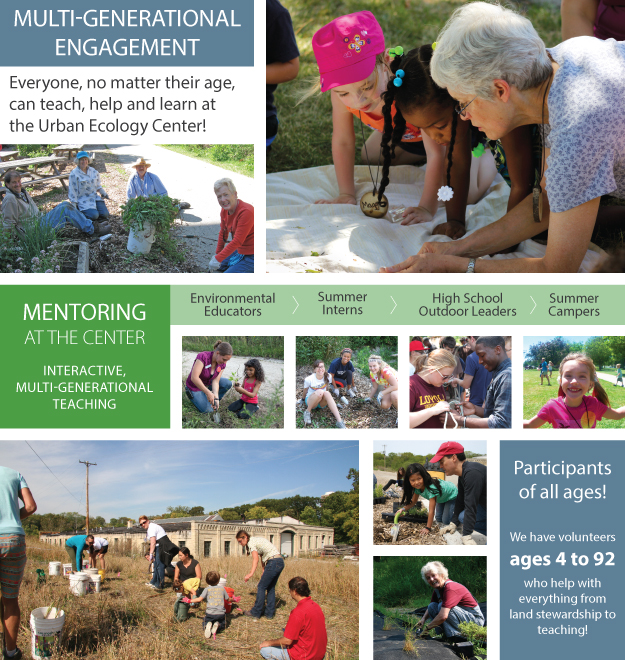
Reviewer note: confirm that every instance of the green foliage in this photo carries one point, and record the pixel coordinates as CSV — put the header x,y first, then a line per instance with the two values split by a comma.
x,y
397,581
394,461
260,513
159,211
378,491
69,522
259,347
472,631
229,514
555,350
35,150
327,348
617,346
234,157
354,475
598,350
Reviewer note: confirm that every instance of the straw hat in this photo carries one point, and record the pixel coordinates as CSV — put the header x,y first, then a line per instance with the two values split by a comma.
x,y
140,161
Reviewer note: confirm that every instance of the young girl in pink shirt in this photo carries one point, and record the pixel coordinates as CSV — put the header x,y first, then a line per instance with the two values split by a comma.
x,y
247,405
573,409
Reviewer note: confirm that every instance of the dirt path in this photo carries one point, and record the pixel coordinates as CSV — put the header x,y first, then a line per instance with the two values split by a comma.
x,y
190,180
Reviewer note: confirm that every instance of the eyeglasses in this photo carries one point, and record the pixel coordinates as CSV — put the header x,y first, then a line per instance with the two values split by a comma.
x,y
445,378
462,109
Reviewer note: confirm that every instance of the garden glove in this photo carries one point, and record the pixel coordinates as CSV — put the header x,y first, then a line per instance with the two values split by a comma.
x,y
468,540
214,264
449,529
367,399
104,194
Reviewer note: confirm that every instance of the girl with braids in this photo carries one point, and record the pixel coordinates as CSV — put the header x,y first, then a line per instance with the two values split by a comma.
x,y
441,494
427,395
318,394
353,67
470,169
573,409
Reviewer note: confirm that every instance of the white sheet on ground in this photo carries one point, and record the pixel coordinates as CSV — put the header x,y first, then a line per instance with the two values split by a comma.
x,y
349,241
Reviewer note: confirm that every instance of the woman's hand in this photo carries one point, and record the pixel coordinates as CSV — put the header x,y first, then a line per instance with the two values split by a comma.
x,y
440,407
247,577
452,228
428,263
345,198
415,215
424,532
215,403
211,397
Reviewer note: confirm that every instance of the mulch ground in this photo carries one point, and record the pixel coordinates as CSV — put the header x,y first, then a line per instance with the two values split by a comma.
x,y
358,414
409,533
111,256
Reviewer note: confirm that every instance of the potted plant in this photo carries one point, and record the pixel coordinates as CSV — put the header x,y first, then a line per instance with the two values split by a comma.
x,y
147,218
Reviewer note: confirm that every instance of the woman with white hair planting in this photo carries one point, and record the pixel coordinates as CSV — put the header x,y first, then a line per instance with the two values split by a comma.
x,y
451,604
492,61
237,218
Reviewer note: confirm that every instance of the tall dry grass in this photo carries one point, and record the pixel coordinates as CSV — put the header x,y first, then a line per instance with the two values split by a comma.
x,y
129,621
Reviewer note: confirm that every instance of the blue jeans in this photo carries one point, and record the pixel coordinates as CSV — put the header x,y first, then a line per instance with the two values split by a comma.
x,y
456,616
200,400
158,578
444,512
244,265
274,653
480,519
65,212
99,212
267,583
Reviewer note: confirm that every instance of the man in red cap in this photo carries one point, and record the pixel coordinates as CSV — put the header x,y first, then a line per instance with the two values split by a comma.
x,y
416,348
470,508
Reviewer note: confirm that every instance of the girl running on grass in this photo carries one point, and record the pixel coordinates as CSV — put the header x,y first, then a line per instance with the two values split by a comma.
x,y
247,405
573,409
442,495
354,69
318,396
412,96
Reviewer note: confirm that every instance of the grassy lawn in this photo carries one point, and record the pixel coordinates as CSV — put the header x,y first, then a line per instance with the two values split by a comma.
x,y
536,396
234,157
306,129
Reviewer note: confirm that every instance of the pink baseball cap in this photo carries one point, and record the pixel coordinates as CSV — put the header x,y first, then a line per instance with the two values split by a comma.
x,y
346,48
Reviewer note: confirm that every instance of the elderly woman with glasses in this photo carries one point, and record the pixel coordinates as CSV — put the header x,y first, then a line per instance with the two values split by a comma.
x,y
427,395
237,218
492,61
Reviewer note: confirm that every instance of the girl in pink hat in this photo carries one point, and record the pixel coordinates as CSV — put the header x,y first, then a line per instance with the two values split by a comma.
x,y
355,70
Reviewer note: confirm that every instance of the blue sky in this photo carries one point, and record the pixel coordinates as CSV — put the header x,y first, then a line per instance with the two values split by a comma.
x,y
145,477
528,341
425,447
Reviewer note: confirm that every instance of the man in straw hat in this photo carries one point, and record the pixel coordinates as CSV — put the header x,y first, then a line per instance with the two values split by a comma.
x,y
143,183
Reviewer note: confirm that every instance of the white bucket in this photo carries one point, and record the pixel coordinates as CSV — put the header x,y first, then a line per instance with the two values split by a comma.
x,y
91,571
54,568
141,241
45,633
222,582
79,583
67,570
95,584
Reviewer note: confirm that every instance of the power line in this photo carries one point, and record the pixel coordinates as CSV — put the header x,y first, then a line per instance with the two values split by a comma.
x,y
54,475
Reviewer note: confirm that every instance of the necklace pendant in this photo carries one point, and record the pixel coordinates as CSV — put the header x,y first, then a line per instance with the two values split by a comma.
x,y
373,208
537,203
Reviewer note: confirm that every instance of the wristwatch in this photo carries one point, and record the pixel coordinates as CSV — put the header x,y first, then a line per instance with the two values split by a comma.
x,y
471,266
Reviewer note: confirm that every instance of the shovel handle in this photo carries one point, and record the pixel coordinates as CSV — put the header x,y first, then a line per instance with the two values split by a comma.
x,y
399,513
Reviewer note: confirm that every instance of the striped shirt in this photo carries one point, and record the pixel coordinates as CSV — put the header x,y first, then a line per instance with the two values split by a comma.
x,y
263,547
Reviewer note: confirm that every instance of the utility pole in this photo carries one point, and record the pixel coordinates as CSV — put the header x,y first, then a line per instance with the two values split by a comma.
x,y
87,465
384,456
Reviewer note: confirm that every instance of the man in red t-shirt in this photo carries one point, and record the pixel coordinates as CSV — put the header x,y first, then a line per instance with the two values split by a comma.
x,y
305,636
451,604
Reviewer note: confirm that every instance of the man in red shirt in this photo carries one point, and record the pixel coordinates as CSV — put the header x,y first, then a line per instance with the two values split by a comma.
x,y
451,604
305,636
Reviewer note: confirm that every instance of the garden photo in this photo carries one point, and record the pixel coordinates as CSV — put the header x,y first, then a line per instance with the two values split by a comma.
x,y
433,608
148,558
346,382
394,146
140,208
460,382
573,382
429,493
233,382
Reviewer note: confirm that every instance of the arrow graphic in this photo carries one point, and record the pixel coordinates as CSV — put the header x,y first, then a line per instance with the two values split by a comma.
x,y
393,299
534,305
295,303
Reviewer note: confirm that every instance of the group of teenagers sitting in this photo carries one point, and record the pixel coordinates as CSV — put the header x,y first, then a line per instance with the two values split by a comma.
x,y
442,377
452,508
339,377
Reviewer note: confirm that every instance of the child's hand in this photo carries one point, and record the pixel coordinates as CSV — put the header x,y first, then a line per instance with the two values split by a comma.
x,y
345,198
415,215
237,384
453,229
440,407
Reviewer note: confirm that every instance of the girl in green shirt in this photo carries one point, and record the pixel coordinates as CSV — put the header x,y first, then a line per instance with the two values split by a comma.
x,y
442,495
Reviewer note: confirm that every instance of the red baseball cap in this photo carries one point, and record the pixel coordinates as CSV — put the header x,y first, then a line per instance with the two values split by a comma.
x,y
346,48
417,346
447,449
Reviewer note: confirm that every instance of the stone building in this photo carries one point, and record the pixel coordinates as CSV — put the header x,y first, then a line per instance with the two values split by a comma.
x,y
210,536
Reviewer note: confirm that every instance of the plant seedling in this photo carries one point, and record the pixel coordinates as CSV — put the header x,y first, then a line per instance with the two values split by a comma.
x,y
409,644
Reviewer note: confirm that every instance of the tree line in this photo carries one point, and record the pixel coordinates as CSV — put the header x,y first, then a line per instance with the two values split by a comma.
x,y
603,351
394,461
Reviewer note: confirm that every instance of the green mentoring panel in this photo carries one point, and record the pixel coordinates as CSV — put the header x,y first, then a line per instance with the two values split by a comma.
x,y
85,357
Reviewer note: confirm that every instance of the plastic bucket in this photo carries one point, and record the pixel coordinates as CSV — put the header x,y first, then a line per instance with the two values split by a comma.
x,y
95,584
101,574
45,633
79,583
91,571
54,568
222,582
67,570
140,242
